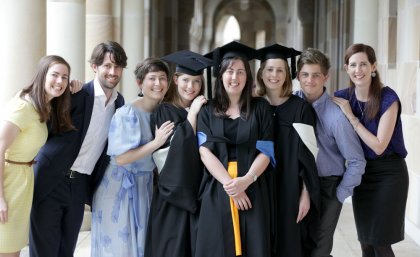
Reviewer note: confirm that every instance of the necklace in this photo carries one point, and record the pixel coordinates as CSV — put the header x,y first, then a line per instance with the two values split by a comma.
x,y
278,104
360,107
275,110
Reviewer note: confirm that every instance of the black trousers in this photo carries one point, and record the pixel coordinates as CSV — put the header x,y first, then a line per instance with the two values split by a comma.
x,y
330,212
56,220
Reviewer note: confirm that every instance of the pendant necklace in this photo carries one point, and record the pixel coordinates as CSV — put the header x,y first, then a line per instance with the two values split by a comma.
x,y
275,110
279,105
360,107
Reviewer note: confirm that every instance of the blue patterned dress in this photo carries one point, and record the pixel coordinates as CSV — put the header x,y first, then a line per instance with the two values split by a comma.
x,y
121,203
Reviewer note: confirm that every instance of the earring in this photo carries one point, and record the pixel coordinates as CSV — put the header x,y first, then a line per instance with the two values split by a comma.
x,y
373,74
141,93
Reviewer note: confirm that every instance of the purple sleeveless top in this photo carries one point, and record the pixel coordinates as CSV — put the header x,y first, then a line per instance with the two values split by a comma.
x,y
396,145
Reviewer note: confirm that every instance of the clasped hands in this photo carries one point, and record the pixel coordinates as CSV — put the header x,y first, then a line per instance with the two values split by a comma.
x,y
235,188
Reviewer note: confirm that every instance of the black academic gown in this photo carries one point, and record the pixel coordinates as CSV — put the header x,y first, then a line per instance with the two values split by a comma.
x,y
175,197
215,231
295,163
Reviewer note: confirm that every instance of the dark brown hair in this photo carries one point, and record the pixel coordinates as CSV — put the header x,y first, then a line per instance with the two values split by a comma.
x,y
287,87
117,54
221,99
58,109
150,65
373,104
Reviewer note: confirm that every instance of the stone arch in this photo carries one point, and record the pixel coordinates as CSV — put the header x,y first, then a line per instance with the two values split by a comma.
x,y
306,12
246,13
221,29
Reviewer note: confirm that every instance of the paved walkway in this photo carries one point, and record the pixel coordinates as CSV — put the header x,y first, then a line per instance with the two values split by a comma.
x,y
345,240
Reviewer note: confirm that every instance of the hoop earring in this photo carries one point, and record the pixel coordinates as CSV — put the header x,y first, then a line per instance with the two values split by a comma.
x,y
373,74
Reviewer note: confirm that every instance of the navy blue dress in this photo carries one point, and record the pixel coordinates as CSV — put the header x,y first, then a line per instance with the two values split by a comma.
x,y
379,201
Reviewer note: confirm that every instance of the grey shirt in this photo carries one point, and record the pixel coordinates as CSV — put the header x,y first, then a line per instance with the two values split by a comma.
x,y
340,152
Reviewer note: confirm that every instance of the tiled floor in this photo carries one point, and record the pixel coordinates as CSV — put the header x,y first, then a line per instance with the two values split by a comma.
x,y
345,240
347,245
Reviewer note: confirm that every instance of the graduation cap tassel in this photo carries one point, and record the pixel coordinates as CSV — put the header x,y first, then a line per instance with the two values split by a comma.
x,y
293,66
216,61
209,84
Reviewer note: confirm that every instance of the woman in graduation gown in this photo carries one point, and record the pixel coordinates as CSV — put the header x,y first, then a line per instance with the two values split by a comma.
x,y
170,232
235,143
296,185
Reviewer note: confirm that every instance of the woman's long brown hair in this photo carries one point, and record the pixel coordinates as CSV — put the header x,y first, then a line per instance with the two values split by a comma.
x,y
172,96
57,111
221,99
375,89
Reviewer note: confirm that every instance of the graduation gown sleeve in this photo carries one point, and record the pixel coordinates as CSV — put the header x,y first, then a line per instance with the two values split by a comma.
x,y
180,176
215,234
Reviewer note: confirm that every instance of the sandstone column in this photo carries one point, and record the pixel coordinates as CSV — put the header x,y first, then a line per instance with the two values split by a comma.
x,y
22,24
132,39
99,28
66,33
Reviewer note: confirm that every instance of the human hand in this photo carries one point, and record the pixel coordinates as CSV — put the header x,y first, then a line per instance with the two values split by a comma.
x,y
75,86
344,106
304,205
237,185
242,201
197,104
3,210
162,134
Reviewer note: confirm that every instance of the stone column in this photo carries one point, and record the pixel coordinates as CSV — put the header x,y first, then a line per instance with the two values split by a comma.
x,y
66,33
196,29
365,22
99,28
408,88
408,55
132,30
22,24
305,34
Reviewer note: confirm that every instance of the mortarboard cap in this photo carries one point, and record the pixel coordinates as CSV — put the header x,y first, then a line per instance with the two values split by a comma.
x,y
277,51
233,49
188,62
229,50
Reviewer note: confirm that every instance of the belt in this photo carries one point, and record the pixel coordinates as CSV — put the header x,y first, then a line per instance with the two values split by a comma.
x,y
21,163
331,178
73,174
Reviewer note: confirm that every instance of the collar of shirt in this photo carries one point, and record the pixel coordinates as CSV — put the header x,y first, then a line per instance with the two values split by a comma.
x,y
99,92
300,94
322,99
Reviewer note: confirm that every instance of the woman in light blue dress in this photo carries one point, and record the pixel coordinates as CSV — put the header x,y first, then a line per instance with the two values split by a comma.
x,y
121,203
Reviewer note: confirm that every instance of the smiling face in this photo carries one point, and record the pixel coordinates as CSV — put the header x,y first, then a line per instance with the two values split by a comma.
x,y
56,80
155,85
360,69
312,81
274,74
234,78
108,73
188,88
